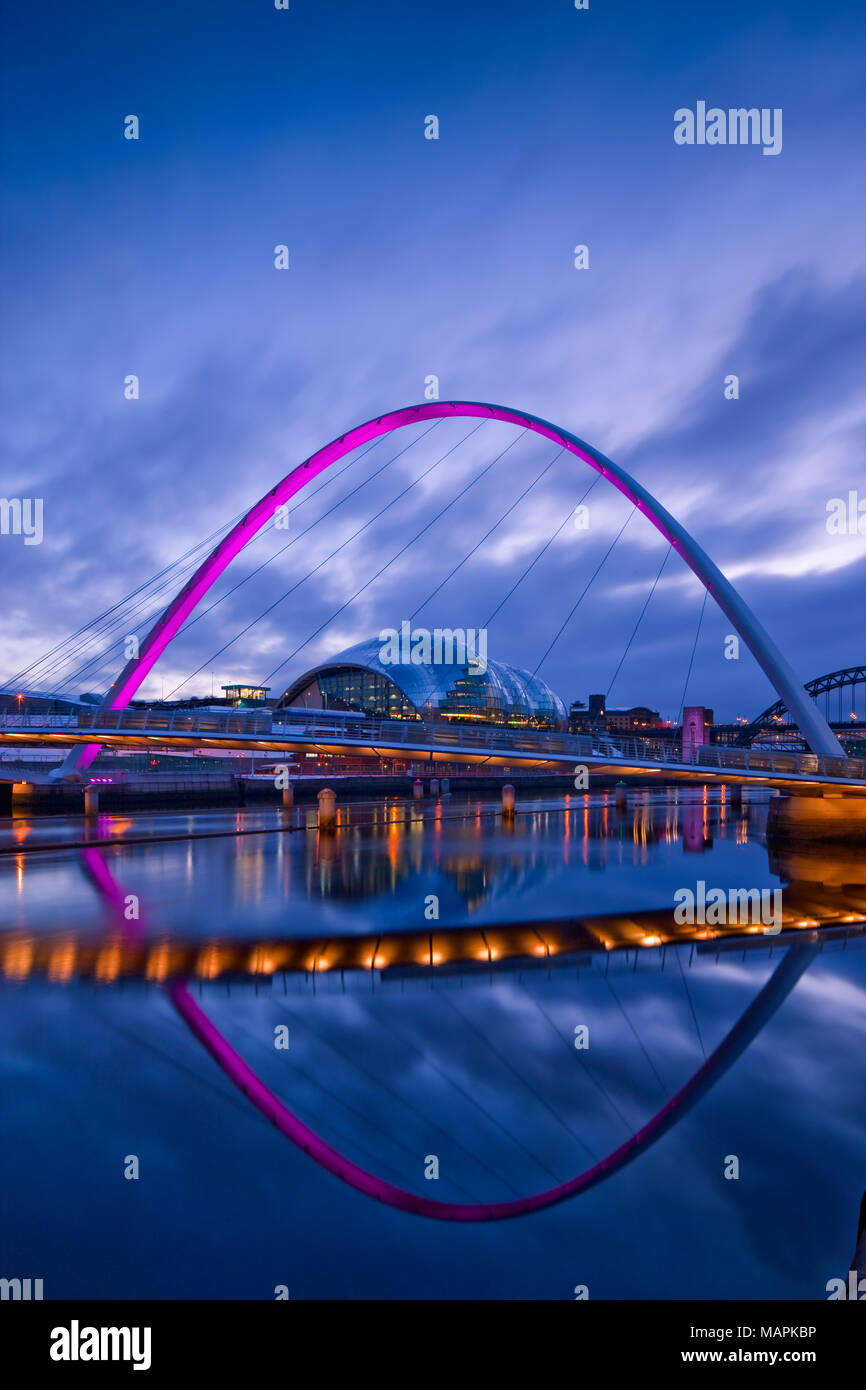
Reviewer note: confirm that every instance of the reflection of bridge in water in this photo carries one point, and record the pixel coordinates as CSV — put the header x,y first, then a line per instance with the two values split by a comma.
x,y
470,952
795,960
403,956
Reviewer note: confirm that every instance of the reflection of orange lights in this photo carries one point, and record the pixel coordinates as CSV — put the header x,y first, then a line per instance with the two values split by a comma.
x,y
18,959
261,963
209,963
61,963
158,963
108,963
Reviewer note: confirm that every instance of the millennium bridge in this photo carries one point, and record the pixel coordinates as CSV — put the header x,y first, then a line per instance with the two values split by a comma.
x,y
430,743
823,769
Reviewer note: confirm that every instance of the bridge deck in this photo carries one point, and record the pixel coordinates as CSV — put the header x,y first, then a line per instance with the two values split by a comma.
x,y
412,740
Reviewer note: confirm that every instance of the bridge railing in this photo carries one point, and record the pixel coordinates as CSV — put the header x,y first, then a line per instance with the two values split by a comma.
x,y
319,727
178,721
347,729
727,758
36,721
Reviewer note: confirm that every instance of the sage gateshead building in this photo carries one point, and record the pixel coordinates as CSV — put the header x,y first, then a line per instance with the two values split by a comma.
x,y
358,681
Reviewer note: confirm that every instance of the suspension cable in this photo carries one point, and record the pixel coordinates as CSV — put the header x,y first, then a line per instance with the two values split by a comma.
x,y
691,659
323,517
38,661
131,616
326,560
639,621
396,556
545,547
477,546
586,590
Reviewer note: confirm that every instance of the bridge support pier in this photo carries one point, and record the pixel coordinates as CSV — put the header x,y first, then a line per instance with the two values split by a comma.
x,y
91,801
417,789
288,795
508,802
814,820
735,796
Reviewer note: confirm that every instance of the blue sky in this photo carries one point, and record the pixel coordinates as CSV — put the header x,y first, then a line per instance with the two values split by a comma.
x,y
453,257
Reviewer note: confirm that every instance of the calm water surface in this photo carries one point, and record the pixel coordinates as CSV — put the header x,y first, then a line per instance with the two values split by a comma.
x,y
476,1067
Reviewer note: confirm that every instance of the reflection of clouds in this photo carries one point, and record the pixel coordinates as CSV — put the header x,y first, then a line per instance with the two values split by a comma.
x,y
841,995
787,1108
502,1041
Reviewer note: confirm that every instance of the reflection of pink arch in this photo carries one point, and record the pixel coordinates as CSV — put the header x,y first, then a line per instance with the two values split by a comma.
x,y
795,961
812,724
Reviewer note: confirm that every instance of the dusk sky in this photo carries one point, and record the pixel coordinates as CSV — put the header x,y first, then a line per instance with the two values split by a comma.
x,y
412,257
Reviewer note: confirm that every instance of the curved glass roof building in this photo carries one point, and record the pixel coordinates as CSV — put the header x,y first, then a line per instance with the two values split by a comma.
x,y
358,679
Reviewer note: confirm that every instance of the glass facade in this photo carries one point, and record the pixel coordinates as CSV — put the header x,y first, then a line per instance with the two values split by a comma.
x,y
368,692
246,694
357,680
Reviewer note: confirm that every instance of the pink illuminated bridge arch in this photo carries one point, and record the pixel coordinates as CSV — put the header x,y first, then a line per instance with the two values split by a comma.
x,y
794,962
814,727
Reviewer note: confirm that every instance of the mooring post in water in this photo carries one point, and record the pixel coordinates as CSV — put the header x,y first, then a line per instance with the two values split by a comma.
x,y
508,802
327,809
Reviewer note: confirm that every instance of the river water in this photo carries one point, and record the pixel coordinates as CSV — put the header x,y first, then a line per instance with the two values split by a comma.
x,y
466,1067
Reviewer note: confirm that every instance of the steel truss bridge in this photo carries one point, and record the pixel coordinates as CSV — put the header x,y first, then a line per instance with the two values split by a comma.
x,y
849,678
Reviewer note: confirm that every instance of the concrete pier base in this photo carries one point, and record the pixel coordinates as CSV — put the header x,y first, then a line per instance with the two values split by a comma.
x,y
508,802
91,801
811,820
